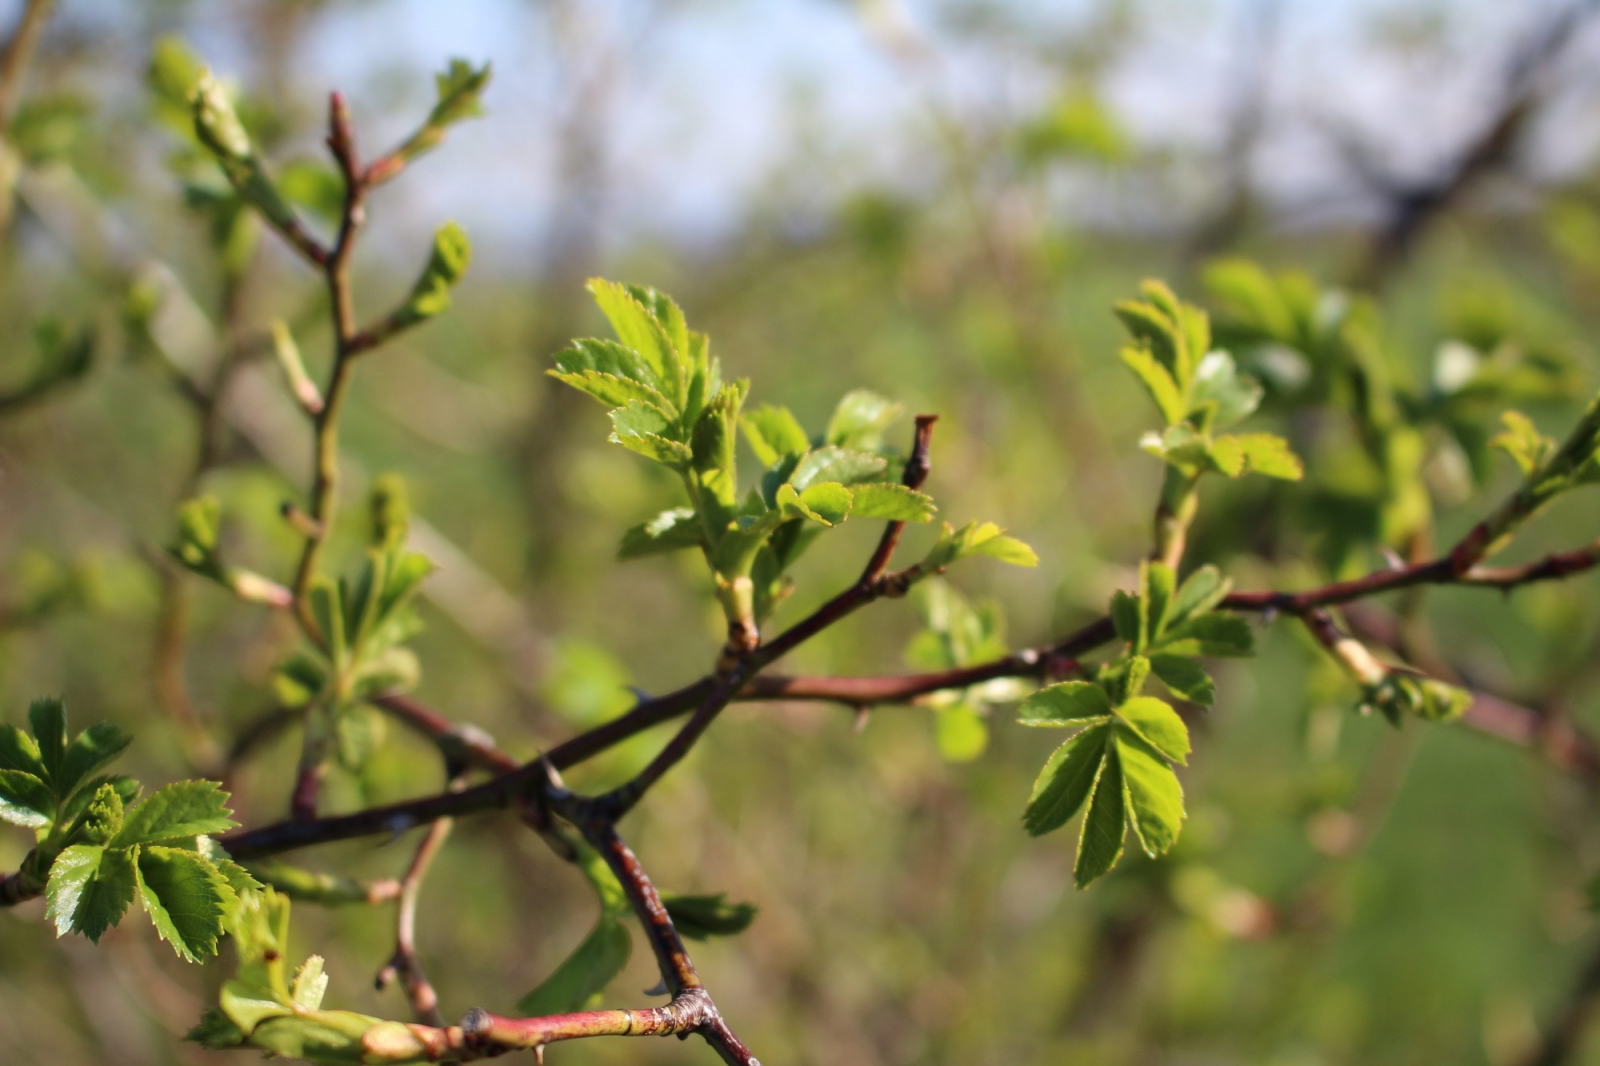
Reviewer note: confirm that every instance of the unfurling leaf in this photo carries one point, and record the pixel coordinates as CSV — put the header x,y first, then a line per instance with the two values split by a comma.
x,y
446,266
1523,442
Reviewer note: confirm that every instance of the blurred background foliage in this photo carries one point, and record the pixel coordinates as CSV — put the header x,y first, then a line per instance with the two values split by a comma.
x,y
939,201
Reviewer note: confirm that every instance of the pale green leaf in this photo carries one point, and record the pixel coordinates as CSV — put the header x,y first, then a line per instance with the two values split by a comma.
x,y
774,432
1157,380
181,809
668,531
1100,842
860,419
1186,678
891,501
1154,796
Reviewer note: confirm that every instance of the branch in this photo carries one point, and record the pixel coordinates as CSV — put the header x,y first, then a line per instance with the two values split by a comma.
x,y
404,963
18,51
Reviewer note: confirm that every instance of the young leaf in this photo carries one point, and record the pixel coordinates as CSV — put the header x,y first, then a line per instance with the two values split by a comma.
x,y
1158,725
608,358
1184,677
186,897
577,983
1523,442
1066,780
647,429
89,889
1202,592
1214,635
639,330
1154,796
89,752
667,531
1064,704
19,751
837,464
960,733
1156,585
310,984
1100,842
446,266
1127,619
25,800
1157,380
48,720
1257,453
859,421
829,499
181,809
703,917
1217,380
773,432
891,501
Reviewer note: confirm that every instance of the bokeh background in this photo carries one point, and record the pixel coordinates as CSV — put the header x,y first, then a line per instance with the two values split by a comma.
x,y
938,201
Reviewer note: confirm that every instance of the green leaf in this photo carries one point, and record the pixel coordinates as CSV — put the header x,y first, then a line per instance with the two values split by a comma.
x,y
447,264
1257,453
1158,724
891,501
48,719
1066,780
181,809
1217,380
639,330
773,432
26,800
1064,704
1154,796
88,753
829,499
789,505
1185,678
609,358
126,789
328,611
646,429
89,889
1100,842
1523,442
611,390
19,751
1157,380
668,531
1126,618
215,1032
703,917
1202,592
1007,550
577,983
459,89
1214,635
712,443
1156,586
310,984
860,419
186,897
830,463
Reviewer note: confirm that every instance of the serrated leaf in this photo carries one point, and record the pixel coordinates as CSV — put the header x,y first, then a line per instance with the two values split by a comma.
x,y
1257,453
1523,442
1066,781
1156,586
88,753
1008,550
891,501
1157,380
668,531
89,890
860,419
611,390
790,505
703,917
831,463
638,329
310,984
186,897
1158,724
26,800
1201,592
126,788
1065,703
1185,678
774,432
48,720
829,499
577,983
1153,795
593,356
647,429
1217,380
19,751
181,809
1126,619
215,1032
1214,635
1100,842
